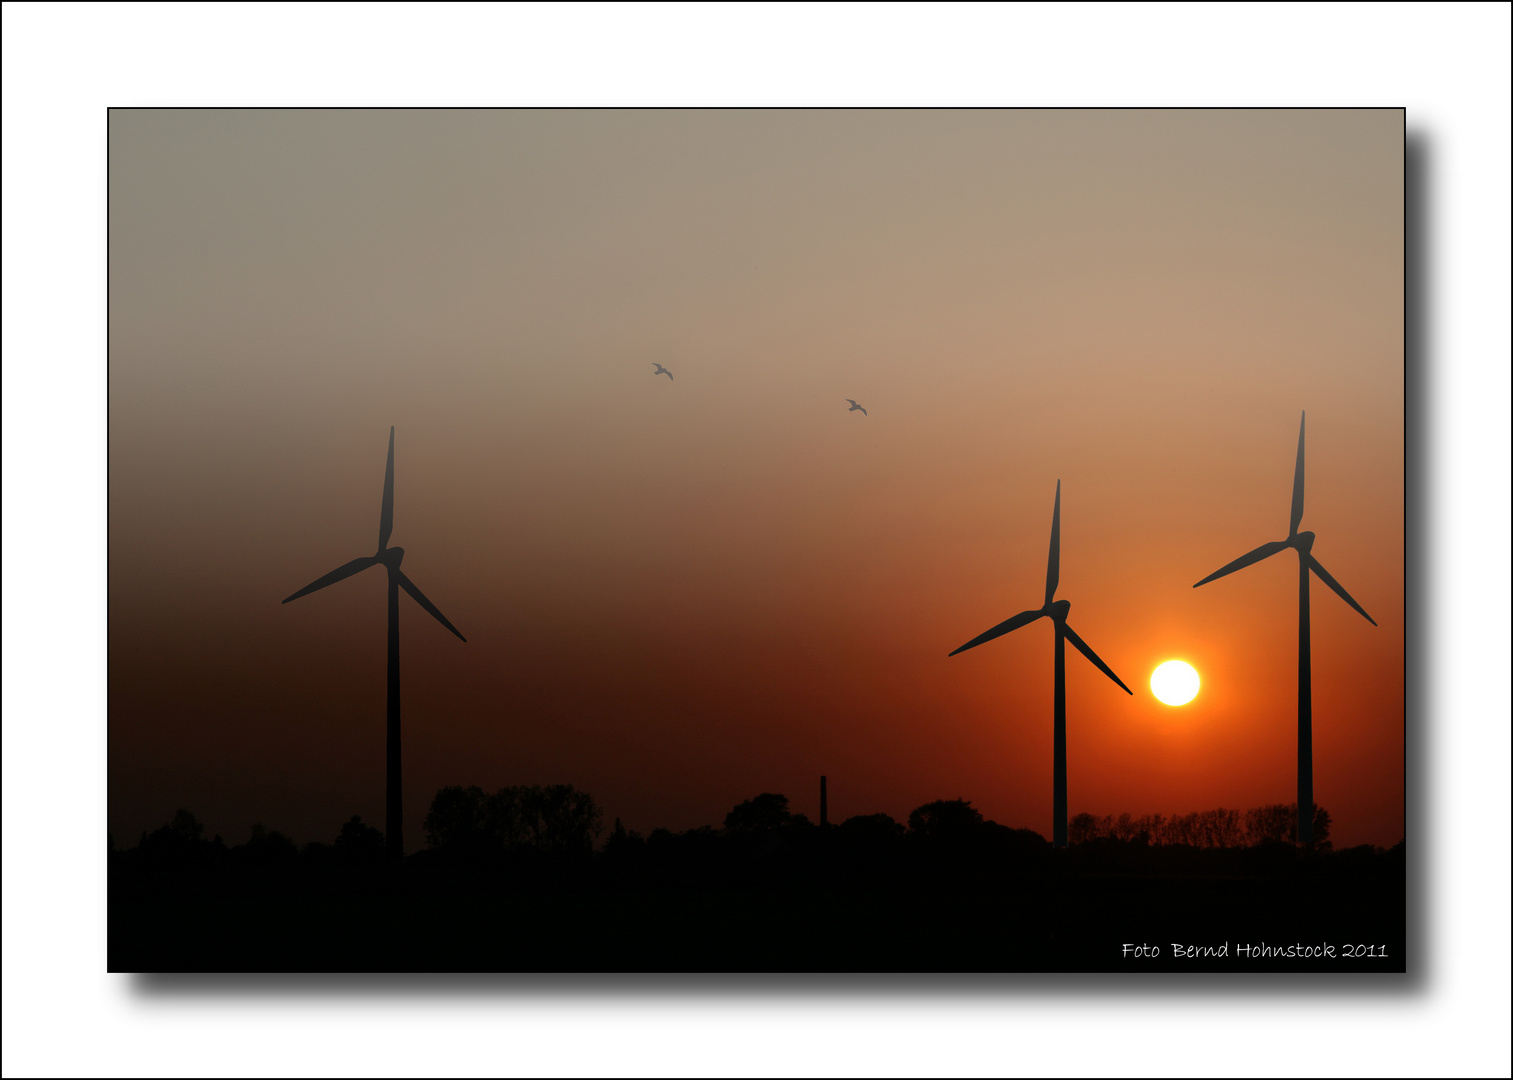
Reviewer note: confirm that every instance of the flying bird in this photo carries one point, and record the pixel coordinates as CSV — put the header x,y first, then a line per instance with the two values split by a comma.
x,y
660,370
855,407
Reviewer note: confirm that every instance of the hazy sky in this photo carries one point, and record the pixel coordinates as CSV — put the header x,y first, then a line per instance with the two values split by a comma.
x,y
680,594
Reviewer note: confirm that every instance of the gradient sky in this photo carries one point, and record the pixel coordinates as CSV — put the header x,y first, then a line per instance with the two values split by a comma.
x,y
679,595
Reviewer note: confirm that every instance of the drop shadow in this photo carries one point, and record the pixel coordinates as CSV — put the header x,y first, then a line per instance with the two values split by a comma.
x,y
1195,986
1420,437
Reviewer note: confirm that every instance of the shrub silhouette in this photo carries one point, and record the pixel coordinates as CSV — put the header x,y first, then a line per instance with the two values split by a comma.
x,y
623,844
945,819
179,843
178,837
1276,823
761,814
454,822
359,844
556,819
269,843
870,841
871,828
1082,828
266,851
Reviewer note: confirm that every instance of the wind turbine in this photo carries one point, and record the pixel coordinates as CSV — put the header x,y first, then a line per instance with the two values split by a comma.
x,y
1302,542
1056,611
389,557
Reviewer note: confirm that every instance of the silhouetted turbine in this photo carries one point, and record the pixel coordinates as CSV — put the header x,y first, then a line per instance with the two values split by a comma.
x,y
855,407
1056,611
1302,542
661,370
390,558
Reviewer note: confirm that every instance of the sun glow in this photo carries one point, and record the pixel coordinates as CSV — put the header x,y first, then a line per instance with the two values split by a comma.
x,y
1175,682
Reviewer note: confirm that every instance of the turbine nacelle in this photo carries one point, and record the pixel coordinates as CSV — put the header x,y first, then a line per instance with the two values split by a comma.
x,y
389,557
1055,610
1301,542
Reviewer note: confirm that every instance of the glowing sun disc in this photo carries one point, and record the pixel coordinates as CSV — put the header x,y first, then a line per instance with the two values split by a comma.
x,y
1175,682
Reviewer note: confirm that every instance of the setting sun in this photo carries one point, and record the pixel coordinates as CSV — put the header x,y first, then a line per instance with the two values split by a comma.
x,y
1175,682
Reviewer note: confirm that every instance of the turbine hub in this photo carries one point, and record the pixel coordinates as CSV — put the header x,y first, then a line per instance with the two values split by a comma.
x,y
392,557
1303,541
1059,609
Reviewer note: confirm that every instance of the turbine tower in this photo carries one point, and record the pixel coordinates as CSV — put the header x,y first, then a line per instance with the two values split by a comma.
x,y
389,558
1056,611
1302,542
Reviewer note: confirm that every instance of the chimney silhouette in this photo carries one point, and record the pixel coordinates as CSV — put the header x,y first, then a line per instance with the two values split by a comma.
x,y
824,806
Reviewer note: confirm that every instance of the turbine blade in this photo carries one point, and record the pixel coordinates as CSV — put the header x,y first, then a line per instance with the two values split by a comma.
x,y
334,576
1297,484
1324,576
1265,551
1053,564
386,515
1024,618
420,598
1086,651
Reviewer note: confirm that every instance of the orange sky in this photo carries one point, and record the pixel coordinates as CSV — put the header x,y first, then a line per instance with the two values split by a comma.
x,y
680,594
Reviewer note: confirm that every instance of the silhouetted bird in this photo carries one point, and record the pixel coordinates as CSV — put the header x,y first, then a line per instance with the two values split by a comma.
x,y
660,370
855,407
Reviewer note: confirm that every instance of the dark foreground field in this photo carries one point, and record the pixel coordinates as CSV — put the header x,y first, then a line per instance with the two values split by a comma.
x,y
812,910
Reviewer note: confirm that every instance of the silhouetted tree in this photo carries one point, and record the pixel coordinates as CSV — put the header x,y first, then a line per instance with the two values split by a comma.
x,y
455,819
502,817
622,839
1279,824
1153,826
1219,828
317,853
1015,845
1269,823
945,818
177,837
864,827
266,850
1321,823
761,814
184,824
1226,829
1082,828
556,818
359,843
179,843
270,840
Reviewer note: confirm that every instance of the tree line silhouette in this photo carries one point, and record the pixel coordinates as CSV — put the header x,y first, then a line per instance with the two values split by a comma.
x,y
523,828
554,819
1276,823
529,878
